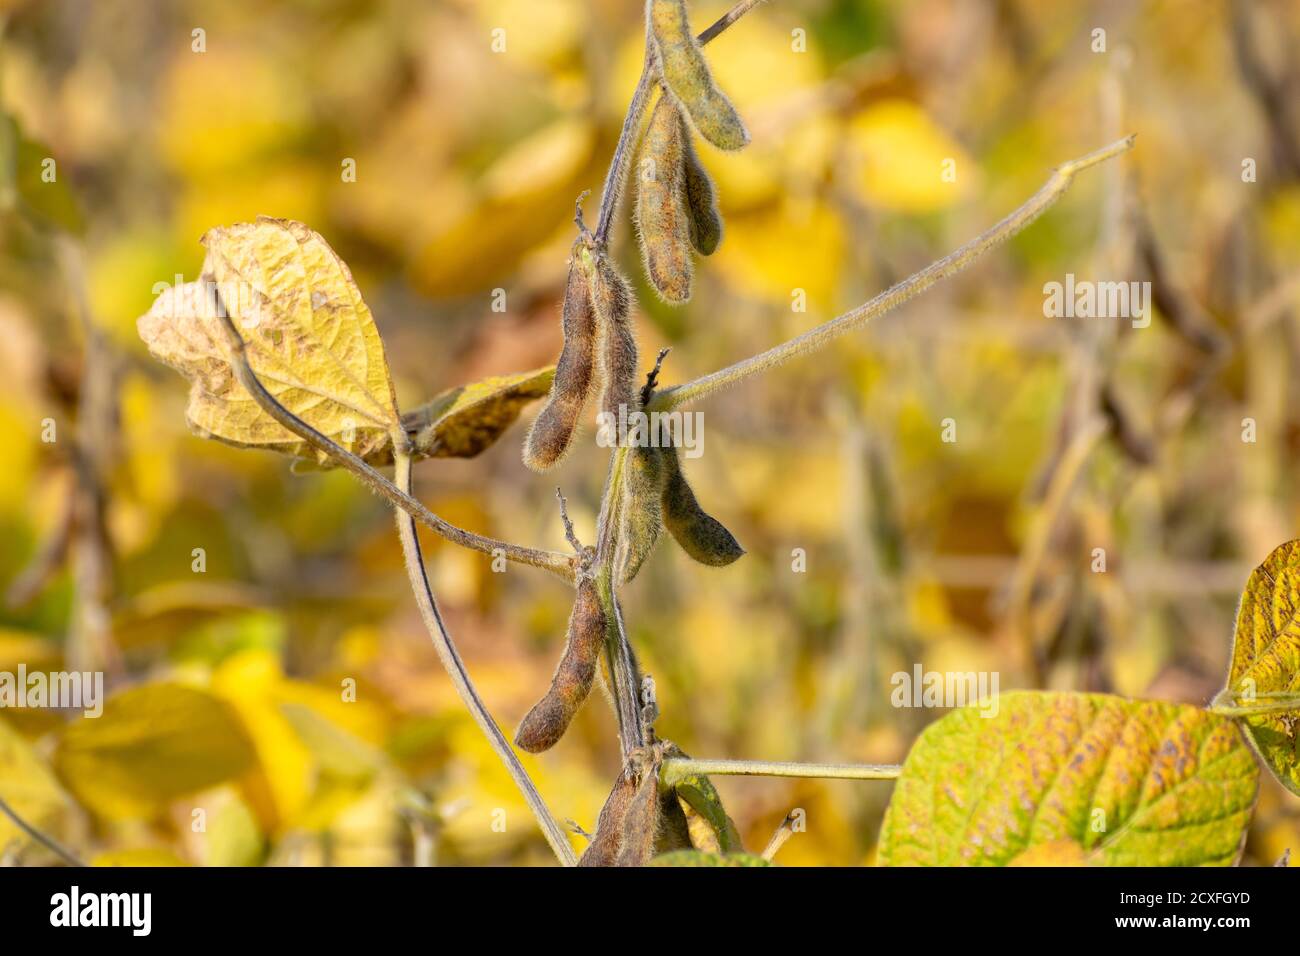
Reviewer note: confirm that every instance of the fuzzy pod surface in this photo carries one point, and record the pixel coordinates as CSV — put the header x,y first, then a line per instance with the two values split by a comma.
x,y
700,535
663,220
611,298
640,516
552,431
549,718
686,73
702,217
604,847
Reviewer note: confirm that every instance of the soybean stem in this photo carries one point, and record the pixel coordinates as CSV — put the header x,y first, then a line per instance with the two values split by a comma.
x,y
896,295
455,667
553,561
675,768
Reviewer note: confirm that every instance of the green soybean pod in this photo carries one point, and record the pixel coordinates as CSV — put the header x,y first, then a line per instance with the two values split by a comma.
x,y
552,431
640,517
549,718
662,219
686,73
701,535
702,216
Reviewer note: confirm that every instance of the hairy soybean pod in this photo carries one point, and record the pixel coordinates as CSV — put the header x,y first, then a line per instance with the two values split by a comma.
x,y
663,222
641,823
552,432
686,73
640,513
701,535
549,719
611,301
605,845
702,216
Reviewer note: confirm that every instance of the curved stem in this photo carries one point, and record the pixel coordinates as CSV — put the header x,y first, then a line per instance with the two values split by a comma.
x,y
909,288
554,561
675,768
48,842
455,667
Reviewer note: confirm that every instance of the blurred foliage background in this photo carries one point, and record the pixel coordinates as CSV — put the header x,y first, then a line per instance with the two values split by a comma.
x,y
959,556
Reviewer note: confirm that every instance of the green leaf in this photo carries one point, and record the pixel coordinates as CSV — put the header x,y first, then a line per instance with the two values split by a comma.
x,y
152,745
699,858
1133,783
1265,662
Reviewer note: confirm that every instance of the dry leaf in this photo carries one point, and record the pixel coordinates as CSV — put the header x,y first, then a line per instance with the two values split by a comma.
x,y
311,340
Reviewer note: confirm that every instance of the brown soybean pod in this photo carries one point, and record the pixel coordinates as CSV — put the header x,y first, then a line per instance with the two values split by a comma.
x,y
546,723
604,847
552,432
701,535
641,823
686,74
612,301
702,216
663,222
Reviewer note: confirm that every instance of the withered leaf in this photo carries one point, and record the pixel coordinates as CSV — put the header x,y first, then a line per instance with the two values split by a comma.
x,y
310,339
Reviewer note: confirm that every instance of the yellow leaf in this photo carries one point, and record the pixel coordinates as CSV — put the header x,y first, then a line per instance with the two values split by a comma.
x,y
464,421
1055,853
1265,663
29,788
311,340
152,745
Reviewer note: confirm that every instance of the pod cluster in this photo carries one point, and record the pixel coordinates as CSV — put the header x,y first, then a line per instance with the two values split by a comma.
x,y
676,204
657,495
644,817
599,347
639,819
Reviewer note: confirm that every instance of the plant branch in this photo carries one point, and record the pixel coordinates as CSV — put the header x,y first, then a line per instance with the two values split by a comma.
x,y
896,295
677,768
455,667
616,177
48,842
407,510
554,561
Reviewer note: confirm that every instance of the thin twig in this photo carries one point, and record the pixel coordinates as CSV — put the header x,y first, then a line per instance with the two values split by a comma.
x,y
569,534
675,768
48,842
783,833
455,667
891,298
553,561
